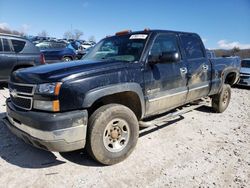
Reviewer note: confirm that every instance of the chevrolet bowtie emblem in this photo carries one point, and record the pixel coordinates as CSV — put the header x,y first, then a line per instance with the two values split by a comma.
x,y
13,93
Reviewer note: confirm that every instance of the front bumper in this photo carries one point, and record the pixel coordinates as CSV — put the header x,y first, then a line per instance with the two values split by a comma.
x,y
59,132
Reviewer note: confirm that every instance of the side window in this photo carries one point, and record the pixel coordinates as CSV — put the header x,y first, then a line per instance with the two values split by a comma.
x,y
109,47
192,46
6,45
18,45
1,46
164,43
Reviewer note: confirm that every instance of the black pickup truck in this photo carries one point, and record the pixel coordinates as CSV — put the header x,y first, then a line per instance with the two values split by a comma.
x,y
102,100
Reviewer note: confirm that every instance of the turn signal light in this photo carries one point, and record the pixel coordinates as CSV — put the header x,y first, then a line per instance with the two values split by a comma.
x,y
56,106
57,88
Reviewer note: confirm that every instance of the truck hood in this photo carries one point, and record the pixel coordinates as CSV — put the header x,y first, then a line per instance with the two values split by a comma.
x,y
65,70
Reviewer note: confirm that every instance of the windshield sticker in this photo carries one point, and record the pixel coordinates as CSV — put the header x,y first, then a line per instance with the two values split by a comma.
x,y
138,36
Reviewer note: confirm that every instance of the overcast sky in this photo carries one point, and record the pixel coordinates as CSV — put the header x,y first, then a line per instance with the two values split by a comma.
x,y
221,24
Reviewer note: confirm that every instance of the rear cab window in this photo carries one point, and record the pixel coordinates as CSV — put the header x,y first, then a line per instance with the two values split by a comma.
x,y
1,45
6,45
192,46
18,45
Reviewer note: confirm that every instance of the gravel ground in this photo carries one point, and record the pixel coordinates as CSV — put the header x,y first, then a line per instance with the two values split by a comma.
x,y
200,149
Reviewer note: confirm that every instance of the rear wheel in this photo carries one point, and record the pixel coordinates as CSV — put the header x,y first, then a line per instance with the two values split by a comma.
x,y
112,133
67,59
221,101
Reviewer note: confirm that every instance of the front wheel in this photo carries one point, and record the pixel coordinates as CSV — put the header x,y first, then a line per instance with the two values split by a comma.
x,y
112,133
221,101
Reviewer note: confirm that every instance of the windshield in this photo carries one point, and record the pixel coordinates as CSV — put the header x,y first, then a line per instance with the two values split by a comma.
x,y
121,48
245,63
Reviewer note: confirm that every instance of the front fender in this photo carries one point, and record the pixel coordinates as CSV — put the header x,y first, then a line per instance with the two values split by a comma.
x,y
97,93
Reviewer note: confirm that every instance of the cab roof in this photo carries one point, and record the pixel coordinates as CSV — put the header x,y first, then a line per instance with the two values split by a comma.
x,y
147,31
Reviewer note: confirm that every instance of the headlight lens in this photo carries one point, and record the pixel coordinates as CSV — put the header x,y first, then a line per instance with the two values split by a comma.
x,y
52,106
49,88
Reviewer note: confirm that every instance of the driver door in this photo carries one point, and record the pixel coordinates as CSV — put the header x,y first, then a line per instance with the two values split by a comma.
x,y
165,82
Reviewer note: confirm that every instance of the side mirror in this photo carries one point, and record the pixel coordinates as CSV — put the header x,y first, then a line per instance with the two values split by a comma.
x,y
170,57
165,57
153,59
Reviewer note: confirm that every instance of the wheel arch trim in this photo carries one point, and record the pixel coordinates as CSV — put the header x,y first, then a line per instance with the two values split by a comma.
x,y
95,94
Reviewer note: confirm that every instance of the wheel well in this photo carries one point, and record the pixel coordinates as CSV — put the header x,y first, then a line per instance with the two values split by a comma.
x,y
21,67
230,78
128,99
68,57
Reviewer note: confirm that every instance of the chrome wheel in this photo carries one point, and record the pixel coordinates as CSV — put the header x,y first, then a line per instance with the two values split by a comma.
x,y
66,59
116,135
225,97
221,100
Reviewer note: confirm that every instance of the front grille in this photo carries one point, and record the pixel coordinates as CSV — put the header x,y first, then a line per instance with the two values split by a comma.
x,y
21,102
21,95
22,88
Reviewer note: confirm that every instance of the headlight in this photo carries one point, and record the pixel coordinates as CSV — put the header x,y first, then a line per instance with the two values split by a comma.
x,y
52,106
49,88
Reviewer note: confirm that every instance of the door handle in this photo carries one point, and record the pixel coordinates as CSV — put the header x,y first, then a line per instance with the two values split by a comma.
x,y
183,70
205,67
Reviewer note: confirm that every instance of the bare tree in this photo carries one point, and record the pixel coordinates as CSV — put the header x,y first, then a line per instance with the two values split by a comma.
x,y
43,33
92,38
9,31
235,50
4,30
14,32
68,35
73,35
77,34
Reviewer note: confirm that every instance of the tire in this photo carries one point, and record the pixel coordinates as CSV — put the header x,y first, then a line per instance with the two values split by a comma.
x,y
66,59
221,101
112,134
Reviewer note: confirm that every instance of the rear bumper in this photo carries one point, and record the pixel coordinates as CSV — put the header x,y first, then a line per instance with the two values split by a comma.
x,y
244,82
50,131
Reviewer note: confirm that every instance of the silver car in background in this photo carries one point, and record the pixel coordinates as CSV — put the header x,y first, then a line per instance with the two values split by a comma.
x,y
245,73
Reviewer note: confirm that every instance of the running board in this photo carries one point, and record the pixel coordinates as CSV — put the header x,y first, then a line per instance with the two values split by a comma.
x,y
163,119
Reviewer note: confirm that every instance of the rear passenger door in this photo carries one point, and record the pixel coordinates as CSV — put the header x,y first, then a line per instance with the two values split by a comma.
x,y
7,59
199,67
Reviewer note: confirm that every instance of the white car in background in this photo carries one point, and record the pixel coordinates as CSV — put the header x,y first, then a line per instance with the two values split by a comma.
x,y
87,45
